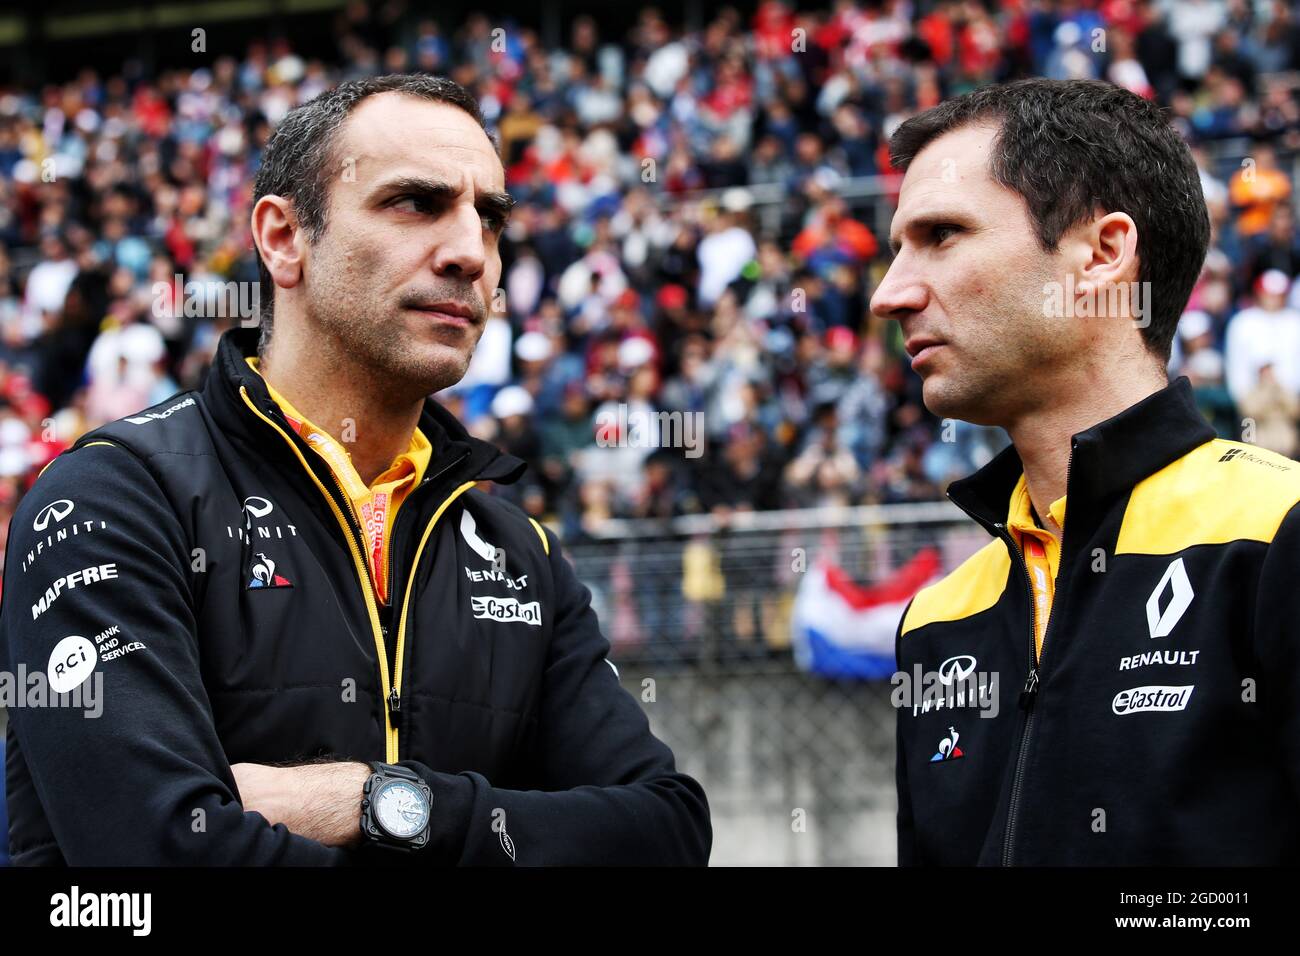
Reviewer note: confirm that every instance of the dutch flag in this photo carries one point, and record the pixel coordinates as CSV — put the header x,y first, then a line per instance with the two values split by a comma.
x,y
843,629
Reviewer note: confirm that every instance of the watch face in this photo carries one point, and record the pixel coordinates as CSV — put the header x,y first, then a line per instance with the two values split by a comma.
x,y
401,809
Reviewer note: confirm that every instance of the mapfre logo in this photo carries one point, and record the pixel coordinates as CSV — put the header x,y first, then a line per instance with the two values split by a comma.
x,y
507,609
68,582
1151,698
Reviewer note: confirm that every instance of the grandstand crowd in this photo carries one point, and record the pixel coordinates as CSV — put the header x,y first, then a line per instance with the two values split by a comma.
x,y
700,223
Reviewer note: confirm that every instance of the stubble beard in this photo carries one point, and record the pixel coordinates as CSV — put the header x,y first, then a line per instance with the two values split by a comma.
x,y
975,389
371,343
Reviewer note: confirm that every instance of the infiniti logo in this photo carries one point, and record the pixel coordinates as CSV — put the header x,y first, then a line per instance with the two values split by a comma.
x,y
954,669
258,507
255,509
58,510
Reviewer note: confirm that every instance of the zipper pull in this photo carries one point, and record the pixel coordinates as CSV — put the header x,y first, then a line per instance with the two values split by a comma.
x,y
395,709
1030,690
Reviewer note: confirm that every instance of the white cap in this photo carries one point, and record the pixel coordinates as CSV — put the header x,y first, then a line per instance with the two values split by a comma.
x,y
512,400
827,178
1193,324
1205,363
1068,34
737,199
1274,282
533,347
634,352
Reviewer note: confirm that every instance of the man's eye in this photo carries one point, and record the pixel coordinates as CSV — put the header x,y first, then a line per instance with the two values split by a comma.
x,y
943,232
494,221
410,204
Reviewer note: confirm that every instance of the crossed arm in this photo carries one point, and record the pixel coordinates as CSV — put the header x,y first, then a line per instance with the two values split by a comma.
x,y
321,802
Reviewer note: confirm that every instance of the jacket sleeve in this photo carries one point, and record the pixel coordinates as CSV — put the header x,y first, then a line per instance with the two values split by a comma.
x,y
137,774
1277,644
906,830
609,792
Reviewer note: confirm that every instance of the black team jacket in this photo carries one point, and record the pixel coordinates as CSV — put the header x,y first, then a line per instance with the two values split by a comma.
x,y
1162,723
199,563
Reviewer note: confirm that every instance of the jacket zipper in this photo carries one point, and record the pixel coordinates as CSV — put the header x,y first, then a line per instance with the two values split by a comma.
x,y
388,570
1029,693
363,575
395,692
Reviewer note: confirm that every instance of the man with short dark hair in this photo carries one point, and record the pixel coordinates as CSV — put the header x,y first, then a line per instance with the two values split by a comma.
x,y
1142,654
317,641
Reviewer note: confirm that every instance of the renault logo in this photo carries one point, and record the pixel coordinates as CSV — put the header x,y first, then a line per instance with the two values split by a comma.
x,y
1160,623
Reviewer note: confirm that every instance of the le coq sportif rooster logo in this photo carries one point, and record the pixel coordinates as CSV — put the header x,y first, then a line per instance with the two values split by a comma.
x,y
948,749
262,574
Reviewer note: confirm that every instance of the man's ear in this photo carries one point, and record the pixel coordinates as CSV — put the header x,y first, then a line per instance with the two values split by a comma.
x,y
279,240
1112,256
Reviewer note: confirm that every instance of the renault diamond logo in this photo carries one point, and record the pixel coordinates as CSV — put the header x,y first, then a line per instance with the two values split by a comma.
x,y
469,531
1160,623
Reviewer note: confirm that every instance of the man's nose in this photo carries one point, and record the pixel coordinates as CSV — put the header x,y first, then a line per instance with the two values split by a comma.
x,y
901,292
460,247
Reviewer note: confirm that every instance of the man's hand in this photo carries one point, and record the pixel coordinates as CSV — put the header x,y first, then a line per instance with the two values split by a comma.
x,y
319,801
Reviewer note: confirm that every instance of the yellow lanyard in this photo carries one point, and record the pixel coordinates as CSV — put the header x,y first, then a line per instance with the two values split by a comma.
x,y
372,504
375,506
1042,582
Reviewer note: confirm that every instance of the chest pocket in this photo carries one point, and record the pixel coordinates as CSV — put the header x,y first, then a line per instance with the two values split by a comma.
x,y
482,619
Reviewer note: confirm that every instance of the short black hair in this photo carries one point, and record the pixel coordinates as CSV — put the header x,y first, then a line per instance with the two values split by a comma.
x,y
298,161
1073,147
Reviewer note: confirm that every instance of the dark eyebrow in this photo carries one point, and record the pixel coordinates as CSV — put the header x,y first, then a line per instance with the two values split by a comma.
x,y
439,191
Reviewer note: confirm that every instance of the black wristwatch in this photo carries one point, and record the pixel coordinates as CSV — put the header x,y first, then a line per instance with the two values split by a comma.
x,y
396,808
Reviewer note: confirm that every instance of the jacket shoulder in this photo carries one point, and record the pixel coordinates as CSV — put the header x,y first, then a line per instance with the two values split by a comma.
x,y
177,425
973,586
1219,492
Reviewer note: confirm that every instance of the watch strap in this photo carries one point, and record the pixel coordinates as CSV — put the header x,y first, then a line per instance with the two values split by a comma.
x,y
393,770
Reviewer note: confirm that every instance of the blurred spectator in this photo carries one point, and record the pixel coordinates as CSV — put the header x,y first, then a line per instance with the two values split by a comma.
x,y
1257,189
1266,333
1276,248
727,248
1205,372
1273,411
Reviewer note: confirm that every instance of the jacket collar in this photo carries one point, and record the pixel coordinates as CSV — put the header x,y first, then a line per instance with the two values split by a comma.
x,y
451,442
1106,460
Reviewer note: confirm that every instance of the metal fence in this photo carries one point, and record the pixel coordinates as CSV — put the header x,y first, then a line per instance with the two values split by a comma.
x,y
799,769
